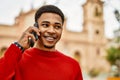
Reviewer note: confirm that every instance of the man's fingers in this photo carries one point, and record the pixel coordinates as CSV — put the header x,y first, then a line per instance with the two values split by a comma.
x,y
31,36
34,29
28,34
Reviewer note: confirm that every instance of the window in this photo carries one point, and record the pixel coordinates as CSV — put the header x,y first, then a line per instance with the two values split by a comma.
x,y
97,32
77,56
97,12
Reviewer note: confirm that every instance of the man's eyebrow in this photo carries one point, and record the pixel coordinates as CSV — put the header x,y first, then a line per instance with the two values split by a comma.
x,y
49,22
45,22
58,23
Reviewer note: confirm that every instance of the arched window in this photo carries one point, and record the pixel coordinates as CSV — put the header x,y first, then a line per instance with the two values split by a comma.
x,y
77,56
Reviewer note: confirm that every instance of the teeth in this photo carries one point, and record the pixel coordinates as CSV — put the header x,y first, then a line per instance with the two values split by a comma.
x,y
49,38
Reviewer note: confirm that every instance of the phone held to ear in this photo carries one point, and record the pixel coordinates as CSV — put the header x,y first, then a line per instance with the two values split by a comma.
x,y
35,35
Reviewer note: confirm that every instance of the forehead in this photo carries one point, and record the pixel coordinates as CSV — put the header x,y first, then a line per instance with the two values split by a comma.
x,y
52,17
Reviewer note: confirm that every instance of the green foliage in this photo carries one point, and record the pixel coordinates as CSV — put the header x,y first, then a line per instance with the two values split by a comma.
x,y
113,55
94,72
117,40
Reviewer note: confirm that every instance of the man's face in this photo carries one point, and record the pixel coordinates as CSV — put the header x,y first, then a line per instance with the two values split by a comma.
x,y
50,25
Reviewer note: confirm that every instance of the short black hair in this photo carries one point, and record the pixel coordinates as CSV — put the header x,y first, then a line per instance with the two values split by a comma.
x,y
49,8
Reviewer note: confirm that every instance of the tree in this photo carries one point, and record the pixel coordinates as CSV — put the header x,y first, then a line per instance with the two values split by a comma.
x,y
113,57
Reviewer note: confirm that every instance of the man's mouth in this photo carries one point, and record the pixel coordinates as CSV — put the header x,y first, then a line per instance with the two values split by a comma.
x,y
50,38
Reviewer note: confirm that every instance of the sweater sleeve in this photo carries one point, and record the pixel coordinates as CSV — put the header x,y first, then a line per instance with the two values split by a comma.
x,y
9,62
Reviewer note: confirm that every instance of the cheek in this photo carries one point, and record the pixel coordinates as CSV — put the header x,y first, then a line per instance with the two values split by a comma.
x,y
59,33
42,31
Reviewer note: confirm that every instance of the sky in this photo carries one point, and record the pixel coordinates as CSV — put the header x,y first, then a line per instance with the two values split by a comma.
x,y
72,9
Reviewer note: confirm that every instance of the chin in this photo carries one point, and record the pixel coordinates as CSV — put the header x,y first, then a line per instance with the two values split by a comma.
x,y
49,47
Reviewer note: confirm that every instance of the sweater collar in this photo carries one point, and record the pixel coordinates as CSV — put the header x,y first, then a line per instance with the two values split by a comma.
x,y
38,52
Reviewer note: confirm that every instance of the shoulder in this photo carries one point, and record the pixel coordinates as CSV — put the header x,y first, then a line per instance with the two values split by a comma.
x,y
68,59
29,50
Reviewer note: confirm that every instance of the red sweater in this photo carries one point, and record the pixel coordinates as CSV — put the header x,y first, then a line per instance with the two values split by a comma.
x,y
35,64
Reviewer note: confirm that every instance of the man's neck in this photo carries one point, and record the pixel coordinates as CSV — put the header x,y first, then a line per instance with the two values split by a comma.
x,y
41,47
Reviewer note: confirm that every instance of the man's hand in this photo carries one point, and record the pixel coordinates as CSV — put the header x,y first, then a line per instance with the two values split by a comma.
x,y
24,40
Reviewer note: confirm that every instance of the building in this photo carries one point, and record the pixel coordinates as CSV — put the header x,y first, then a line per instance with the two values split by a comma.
x,y
87,47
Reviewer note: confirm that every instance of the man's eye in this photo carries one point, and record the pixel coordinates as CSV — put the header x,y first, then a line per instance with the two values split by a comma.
x,y
58,27
45,25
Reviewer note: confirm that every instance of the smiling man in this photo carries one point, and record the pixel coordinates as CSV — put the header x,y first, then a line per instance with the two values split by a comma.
x,y
50,26
43,61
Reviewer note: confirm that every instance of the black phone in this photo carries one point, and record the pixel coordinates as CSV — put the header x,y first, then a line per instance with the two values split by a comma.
x,y
31,42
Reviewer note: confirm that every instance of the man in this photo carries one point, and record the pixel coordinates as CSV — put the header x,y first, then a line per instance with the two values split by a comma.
x,y
43,61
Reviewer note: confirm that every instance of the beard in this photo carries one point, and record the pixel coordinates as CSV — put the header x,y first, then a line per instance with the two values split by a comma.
x,y
49,47
42,40
45,45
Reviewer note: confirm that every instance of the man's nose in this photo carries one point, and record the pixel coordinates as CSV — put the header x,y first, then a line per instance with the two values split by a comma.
x,y
51,29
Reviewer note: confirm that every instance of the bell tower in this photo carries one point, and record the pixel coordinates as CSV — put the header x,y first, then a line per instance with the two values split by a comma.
x,y
93,27
93,19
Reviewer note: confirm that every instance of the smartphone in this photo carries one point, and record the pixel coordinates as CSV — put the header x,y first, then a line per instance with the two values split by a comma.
x,y
35,35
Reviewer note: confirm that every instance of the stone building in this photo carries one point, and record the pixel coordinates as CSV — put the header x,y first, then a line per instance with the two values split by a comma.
x,y
87,47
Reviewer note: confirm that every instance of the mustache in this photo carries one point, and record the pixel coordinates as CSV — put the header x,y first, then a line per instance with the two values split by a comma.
x,y
49,35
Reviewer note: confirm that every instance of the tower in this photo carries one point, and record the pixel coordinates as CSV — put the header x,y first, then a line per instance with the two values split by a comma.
x,y
93,19
94,27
